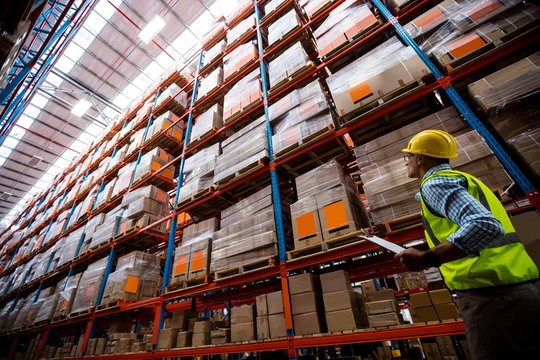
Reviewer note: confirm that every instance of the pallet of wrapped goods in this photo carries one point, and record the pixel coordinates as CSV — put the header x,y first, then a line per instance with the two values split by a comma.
x,y
22,310
240,31
238,9
135,143
212,54
87,291
299,119
136,278
71,246
282,27
239,58
103,196
206,124
173,98
118,157
209,84
345,23
199,173
90,229
287,67
123,181
169,135
242,245
242,153
452,51
312,8
149,169
242,96
275,6
381,75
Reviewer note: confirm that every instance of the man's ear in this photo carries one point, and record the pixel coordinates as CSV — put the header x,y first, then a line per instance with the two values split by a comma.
x,y
420,159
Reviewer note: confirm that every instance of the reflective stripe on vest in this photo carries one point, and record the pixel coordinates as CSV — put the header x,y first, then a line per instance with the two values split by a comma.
x,y
503,262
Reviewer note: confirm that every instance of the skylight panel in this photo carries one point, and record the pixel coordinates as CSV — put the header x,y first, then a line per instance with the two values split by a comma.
x,y
95,23
17,132
105,9
202,24
54,79
2,160
94,130
84,38
74,51
47,177
62,163
219,7
81,107
142,81
153,70
10,142
64,64
185,42
131,91
25,121
67,155
121,101
165,60
32,111
39,101
5,151
151,29
78,145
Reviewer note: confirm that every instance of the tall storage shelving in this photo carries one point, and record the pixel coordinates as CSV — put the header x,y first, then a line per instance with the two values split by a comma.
x,y
324,148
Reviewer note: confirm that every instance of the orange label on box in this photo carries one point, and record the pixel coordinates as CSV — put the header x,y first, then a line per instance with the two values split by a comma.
x,y
360,92
335,215
197,260
132,284
465,45
306,225
430,18
485,8
180,265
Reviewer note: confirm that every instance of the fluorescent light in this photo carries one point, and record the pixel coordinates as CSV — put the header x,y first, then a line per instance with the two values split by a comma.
x,y
81,107
152,29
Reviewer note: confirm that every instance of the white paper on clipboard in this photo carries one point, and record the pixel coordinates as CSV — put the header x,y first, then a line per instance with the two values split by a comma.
x,y
385,244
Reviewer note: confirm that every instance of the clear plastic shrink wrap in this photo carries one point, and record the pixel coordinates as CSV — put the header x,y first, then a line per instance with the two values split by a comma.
x,y
90,229
282,26
215,51
87,291
151,162
384,69
239,57
242,28
313,7
244,93
210,82
207,122
105,195
72,243
173,93
272,5
237,8
287,64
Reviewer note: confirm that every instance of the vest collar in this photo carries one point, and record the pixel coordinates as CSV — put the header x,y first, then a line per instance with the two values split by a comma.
x,y
434,169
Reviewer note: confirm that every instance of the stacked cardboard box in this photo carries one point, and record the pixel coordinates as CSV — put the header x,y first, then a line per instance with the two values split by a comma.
x,y
379,72
328,206
163,122
241,150
210,82
104,196
298,115
66,290
199,171
270,316
247,232
243,323
343,306
90,229
71,246
272,5
192,258
207,122
136,278
343,24
433,306
108,229
242,28
287,64
306,304
46,310
175,94
242,95
238,58
313,7
282,26
151,162
390,193
201,333
382,308
497,93
143,207
87,291
411,280
123,180
214,52
528,232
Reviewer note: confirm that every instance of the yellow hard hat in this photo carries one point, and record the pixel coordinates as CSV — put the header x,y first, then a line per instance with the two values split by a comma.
x,y
433,143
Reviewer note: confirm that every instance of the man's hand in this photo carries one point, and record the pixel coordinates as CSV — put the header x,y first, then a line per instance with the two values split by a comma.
x,y
413,259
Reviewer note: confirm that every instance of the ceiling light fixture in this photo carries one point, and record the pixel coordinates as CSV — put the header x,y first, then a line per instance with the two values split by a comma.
x,y
152,29
81,107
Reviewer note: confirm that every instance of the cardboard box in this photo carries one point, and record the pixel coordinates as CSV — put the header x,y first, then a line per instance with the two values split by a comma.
x,y
179,319
385,353
420,299
381,307
424,314
340,300
202,327
368,286
100,346
167,338
261,305
184,339
343,320
303,283
306,324
243,332
304,303
277,325
243,314
441,296
526,226
385,294
200,339
388,319
220,336
274,302
447,311
335,281
263,328
306,223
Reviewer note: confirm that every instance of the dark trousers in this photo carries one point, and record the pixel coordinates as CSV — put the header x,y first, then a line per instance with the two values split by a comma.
x,y
502,322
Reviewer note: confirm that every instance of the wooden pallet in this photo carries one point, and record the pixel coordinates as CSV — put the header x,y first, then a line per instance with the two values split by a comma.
x,y
112,304
401,224
279,42
203,138
166,142
281,8
41,323
327,245
60,317
157,180
240,112
308,140
352,41
97,247
186,284
198,195
249,169
297,74
81,313
245,269
142,240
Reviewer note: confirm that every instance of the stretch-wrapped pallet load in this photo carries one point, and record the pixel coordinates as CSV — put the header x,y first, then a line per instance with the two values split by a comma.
x,y
143,207
242,150
136,278
237,8
451,42
386,68
71,246
123,180
247,234
239,57
215,51
240,30
118,157
287,65
88,289
210,82
272,5
163,125
313,7
107,230
104,195
343,25
282,26
299,116
192,258
151,163
328,206
23,308
242,95
90,229
46,310
173,94
498,93
199,171
391,194
66,294
208,122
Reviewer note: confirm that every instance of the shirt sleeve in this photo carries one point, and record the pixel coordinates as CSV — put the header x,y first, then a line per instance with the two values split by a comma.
x,y
449,197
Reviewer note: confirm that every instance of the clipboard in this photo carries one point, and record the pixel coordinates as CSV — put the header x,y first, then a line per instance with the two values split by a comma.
x,y
384,243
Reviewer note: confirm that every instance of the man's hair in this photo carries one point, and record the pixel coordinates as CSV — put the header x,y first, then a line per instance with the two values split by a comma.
x,y
439,160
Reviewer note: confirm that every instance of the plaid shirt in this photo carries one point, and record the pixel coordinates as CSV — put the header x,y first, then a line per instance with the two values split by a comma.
x,y
448,197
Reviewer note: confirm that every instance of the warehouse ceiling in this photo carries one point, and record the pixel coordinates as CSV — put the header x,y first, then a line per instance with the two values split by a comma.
x,y
106,64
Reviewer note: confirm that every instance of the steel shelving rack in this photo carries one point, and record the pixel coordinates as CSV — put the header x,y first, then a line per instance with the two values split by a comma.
x,y
183,298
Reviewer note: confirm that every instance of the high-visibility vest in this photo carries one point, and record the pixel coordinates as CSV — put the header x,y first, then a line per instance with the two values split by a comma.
x,y
503,262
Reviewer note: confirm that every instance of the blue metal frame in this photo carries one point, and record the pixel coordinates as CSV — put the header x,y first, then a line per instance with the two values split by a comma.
x,y
475,123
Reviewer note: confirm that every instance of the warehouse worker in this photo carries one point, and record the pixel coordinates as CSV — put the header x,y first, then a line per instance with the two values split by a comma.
x,y
476,248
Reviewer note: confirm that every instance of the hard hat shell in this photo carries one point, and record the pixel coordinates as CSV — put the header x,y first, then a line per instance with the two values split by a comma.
x,y
433,143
